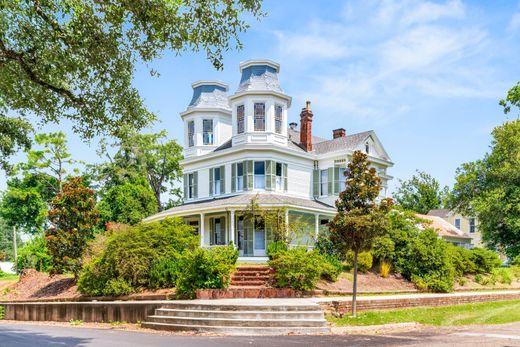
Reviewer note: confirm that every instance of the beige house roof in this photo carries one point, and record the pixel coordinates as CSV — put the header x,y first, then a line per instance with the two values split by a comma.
x,y
443,228
440,212
241,201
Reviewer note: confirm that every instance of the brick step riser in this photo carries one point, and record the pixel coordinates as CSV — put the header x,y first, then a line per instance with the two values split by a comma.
x,y
249,269
239,308
318,315
249,284
267,323
251,274
241,331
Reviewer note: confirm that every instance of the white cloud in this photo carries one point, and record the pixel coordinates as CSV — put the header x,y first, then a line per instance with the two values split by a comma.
x,y
378,59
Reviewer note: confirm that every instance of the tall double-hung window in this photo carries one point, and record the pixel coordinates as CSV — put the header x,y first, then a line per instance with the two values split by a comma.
x,y
259,116
216,180
278,117
324,182
240,177
207,131
259,170
279,177
191,133
240,119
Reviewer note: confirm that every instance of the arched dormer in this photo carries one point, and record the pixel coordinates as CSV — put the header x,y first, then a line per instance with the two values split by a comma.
x,y
207,119
259,106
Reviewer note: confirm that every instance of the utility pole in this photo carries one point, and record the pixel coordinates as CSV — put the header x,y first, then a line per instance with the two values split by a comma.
x,y
15,253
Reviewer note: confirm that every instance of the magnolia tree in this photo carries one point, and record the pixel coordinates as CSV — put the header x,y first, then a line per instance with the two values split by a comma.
x,y
360,218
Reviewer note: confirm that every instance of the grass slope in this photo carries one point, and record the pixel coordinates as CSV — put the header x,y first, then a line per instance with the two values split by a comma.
x,y
497,312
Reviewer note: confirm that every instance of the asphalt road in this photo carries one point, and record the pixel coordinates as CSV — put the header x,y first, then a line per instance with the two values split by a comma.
x,y
25,335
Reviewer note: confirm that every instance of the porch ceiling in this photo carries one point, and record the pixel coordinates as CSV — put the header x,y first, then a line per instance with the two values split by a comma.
x,y
241,201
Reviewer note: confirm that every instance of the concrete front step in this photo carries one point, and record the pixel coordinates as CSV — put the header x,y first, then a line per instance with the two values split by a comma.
x,y
253,268
250,323
238,330
241,307
288,315
248,275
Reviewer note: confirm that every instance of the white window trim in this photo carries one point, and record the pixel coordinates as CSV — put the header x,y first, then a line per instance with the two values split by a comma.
x,y
265,116
213,133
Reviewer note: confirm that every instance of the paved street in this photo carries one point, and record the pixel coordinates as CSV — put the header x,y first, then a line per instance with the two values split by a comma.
x,y
25,335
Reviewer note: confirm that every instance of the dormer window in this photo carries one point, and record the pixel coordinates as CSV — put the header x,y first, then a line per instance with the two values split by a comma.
x,y
278,114
259,116
191,133
240,119
207,131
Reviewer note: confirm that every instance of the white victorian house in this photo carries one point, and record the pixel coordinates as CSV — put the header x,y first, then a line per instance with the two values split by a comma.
x,y
239,146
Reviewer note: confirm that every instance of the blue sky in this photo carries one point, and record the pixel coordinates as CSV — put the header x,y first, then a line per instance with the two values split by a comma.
x,y
426,76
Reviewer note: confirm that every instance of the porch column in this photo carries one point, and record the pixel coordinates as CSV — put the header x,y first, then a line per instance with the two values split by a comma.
x,y
316,225
232,227
286,222
201,230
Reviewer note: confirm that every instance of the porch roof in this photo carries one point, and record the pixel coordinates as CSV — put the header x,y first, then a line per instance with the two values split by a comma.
x,y
240,202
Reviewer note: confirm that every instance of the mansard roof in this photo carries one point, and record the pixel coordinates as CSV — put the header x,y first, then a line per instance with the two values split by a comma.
x,y
259,75
209,95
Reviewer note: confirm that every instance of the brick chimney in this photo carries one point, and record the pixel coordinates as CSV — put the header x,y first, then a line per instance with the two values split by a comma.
x,y
338,133
306,127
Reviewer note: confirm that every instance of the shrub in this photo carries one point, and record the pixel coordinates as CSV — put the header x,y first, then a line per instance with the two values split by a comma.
x,y
163,273
325,246
515,271
384,249
117,287
462,260
485,260
516,260
384,269
275,249
205,268
427,263
331,267
502,275
365,261
34,255
130,254
297,268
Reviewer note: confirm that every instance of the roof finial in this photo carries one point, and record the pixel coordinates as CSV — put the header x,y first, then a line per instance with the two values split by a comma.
x,y
308,105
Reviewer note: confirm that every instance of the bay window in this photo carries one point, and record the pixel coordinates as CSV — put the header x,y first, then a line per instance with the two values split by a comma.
x,y
240,119
259,117
207,131
278,114
259,172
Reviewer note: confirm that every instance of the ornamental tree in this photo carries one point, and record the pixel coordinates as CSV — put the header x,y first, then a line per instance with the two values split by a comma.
x,y
421,193
360,218
73,216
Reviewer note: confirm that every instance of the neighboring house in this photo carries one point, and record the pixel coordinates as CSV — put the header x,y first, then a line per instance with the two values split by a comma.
x,y
465,224
240,146
446,231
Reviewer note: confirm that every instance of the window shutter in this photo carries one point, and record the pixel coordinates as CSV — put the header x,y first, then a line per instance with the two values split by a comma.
x,y
330,180
210,182
212,230
195,184
284,177
249,177
222,179
316,183
337,180
233,177
185,179
269,175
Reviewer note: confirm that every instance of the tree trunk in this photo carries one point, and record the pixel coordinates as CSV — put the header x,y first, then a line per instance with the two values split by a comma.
x,y
354,289
158,198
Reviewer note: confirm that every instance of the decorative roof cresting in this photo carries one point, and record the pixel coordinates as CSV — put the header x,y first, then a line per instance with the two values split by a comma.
x,y
259,75
209,94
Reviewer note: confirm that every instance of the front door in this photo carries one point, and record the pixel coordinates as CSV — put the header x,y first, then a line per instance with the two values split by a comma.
x,y
259,244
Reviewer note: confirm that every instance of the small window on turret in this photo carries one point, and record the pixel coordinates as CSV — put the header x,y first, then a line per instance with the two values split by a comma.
x,y
278,114
191,133
207,129
259,117
240,119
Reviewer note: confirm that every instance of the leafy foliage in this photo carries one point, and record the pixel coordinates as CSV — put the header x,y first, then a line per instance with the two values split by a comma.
x,y
73,216
297,268
76,59
365,261
127,203
485,260
133,255
14,135
421,193
205,268
34,255
488,189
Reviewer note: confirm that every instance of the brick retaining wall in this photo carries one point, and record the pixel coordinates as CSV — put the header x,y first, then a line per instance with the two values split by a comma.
x,y
341,307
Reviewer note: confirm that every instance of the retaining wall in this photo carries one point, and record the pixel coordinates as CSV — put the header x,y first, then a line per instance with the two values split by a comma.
x,y
130,312
340,307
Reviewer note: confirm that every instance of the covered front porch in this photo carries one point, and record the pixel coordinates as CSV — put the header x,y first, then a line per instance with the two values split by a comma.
x,y
222,222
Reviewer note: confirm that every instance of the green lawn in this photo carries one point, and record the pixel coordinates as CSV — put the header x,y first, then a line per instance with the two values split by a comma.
x,y
8,277
497,312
